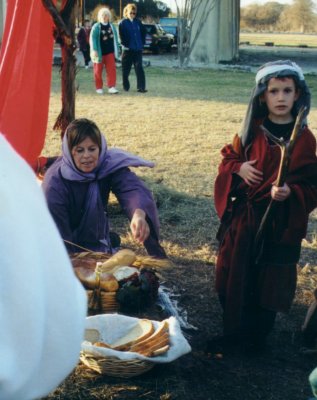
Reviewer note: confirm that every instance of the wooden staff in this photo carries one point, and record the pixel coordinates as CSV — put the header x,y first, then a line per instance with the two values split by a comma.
x,y
287,148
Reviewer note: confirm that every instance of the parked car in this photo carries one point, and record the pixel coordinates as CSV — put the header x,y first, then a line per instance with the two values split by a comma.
x,y
171,30
170,34
157,39
170,25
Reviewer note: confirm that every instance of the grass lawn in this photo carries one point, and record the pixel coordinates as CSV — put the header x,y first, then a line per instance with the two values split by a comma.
x,y
181,124
279,39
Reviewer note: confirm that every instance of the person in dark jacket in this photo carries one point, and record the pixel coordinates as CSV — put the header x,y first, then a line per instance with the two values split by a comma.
x,y
83,41
132,35
77,188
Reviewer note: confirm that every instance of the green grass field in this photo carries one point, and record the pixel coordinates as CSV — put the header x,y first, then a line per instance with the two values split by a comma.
x,y
279,39
181,124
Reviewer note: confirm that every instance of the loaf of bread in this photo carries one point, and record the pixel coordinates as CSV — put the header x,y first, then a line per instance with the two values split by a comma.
x,y
122,258
88,278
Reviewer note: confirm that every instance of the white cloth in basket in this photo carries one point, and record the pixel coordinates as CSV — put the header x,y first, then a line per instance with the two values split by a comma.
x,y
114,326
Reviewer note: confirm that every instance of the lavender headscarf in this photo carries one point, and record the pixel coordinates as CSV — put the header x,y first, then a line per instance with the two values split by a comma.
x,y
256,109
94,219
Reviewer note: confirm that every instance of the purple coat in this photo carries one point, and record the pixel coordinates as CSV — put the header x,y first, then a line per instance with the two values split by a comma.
x,y
78,201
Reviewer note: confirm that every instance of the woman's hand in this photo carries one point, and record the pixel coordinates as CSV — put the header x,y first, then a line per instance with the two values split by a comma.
x,y
249,174
95,53
139,227
280,193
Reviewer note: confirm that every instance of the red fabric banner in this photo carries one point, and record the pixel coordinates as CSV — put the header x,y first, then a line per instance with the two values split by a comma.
x,y
25,76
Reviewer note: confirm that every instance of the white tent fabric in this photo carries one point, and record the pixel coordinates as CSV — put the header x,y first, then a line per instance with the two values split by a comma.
x,y
42,304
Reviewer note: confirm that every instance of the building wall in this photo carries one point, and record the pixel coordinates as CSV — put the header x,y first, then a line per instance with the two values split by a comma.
x,y
219,38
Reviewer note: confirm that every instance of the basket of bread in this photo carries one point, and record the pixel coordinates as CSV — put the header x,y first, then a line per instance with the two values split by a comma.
x,y
123,281
122,346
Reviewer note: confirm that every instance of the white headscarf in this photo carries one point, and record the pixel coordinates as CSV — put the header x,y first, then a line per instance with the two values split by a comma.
x,y
257,110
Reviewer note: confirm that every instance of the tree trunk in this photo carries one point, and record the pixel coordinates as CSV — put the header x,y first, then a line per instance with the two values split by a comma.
x,y
65,36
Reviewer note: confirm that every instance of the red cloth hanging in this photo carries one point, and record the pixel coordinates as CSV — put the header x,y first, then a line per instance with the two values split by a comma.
x,y
25,77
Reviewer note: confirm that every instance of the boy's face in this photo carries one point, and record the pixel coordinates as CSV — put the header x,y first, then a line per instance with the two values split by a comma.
x,y
279,97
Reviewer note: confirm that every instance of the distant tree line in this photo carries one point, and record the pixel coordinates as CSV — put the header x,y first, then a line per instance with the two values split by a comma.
x,y
153,8
299,16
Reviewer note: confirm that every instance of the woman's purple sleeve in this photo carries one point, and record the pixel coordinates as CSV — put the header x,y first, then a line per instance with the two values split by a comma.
x,y
57,198
132,193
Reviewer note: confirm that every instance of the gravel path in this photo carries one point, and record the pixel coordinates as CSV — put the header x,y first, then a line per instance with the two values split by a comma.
x,y
250,58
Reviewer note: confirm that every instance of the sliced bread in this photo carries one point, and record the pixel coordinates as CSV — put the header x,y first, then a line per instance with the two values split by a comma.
x,y
162,332
142,330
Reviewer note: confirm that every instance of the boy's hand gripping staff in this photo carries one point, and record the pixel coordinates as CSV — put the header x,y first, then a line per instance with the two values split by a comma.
x,y
287,148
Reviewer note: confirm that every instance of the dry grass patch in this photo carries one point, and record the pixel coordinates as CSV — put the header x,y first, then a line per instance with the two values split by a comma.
x,y
280,39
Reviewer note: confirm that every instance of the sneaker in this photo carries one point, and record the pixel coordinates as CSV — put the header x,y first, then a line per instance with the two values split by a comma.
x,y
99,91
86,66
142,90
113,90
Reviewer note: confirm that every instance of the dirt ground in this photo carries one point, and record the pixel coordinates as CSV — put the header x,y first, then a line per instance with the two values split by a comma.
x,y
279,374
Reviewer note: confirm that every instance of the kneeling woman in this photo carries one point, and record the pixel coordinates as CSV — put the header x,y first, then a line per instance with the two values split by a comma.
x,y
77,188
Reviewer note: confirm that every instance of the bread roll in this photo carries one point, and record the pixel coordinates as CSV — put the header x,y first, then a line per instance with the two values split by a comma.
x,y
88,278
108,282
121,273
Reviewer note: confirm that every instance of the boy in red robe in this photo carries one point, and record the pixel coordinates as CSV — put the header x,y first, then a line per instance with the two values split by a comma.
x,y
250,292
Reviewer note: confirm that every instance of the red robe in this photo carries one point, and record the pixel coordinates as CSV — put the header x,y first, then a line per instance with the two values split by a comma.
x,y
240,207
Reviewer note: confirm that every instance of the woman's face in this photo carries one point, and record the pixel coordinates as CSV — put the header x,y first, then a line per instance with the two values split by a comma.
x,y
131,13
86,155
105,18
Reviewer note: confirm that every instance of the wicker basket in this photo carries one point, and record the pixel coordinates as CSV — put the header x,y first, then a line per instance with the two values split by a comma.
x,y
113,366
100,302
